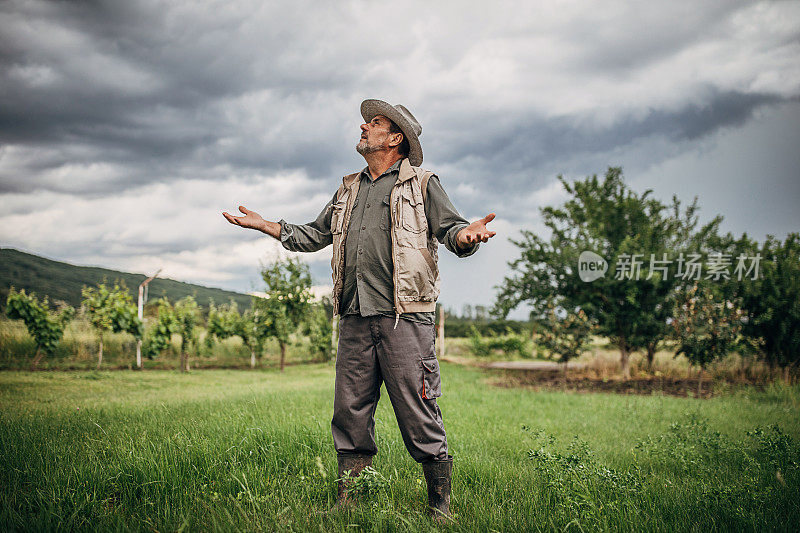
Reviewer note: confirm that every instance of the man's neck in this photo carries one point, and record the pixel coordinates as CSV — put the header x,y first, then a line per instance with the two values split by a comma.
x,y
379,162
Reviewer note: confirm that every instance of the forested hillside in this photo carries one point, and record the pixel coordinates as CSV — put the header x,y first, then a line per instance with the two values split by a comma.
x,y
62,281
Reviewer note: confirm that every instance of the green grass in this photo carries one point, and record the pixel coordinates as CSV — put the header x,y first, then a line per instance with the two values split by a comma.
x,y
241,450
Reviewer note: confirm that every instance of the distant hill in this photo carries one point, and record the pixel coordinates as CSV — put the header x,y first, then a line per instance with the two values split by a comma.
x,y
62,281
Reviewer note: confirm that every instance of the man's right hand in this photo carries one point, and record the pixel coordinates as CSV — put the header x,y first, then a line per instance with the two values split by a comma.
x,y
253,220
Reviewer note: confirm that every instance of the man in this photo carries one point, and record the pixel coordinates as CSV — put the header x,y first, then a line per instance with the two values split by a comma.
x,y
384,223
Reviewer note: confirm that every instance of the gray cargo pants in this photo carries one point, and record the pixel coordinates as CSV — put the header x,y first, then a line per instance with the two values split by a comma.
x,y
371,351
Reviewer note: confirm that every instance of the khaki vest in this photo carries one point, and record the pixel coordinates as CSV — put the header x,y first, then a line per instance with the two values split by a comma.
x,y
414,249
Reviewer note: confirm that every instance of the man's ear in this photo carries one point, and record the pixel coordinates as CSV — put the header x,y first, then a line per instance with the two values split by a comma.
x,y
397,139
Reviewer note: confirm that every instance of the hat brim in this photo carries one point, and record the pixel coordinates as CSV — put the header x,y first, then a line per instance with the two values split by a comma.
x,y
371,108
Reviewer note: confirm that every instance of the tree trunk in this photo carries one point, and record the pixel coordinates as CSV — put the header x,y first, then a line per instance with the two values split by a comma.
x,y
700,383
36,358
564,375
651,355
624,360
100,353
283,354
252,358
183,360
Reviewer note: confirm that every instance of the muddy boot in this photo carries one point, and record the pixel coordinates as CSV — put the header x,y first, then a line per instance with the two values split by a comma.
x,y
437,476
355,463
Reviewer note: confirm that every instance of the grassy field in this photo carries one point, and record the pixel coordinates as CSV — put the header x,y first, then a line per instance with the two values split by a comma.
x,y
242,450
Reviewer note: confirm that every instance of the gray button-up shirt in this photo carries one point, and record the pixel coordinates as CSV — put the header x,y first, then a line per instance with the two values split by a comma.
x,y
368,286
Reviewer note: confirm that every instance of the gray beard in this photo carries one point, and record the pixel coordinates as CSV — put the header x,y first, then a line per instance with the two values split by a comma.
x,y
364,148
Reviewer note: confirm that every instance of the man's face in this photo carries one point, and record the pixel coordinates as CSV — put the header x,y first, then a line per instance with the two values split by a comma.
x,y
375,136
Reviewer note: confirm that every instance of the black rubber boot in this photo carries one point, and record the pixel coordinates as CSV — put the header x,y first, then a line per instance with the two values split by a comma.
x,y
355,464
437,476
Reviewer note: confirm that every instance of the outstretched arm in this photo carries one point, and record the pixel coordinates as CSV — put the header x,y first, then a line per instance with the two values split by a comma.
x,y
309,237
253,220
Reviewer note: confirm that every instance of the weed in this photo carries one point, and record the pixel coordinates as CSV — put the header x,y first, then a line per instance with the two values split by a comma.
x,y
369,481
776,448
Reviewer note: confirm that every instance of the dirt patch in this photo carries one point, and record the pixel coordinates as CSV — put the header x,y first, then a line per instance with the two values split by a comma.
x,y
582,383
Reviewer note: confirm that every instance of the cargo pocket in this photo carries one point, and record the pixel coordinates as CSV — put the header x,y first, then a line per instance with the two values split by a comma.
x,y
431,380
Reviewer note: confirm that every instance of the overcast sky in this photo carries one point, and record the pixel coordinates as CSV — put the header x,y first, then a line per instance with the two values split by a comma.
x,y
126,128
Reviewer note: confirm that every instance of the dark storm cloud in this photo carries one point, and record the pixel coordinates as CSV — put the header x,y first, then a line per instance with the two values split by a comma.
x,y
166,107
515,157
158,93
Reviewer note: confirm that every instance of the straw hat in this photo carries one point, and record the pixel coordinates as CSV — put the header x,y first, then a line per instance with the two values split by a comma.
x,y
404,120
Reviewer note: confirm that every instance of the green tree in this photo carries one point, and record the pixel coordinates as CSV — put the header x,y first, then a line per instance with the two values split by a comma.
x,y
630,304
564,334
187,314
223,322
160,335
44,325
255,329
111,310
705,326
772,300
319,330
287,301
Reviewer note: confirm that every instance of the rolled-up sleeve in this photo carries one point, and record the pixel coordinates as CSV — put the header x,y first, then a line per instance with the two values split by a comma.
x,y
444,220
309,237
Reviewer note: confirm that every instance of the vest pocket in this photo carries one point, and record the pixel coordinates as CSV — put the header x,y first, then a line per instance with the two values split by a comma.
x,y
431,379
413,212
337,216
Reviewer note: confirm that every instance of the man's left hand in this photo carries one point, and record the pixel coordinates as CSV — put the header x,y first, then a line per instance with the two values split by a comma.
x,y
476,232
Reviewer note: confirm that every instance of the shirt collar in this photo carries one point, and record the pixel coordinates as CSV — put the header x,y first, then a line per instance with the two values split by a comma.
x,y
393,168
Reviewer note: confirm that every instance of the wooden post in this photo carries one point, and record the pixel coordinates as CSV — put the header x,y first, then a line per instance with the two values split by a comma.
x,y
441,332
142,301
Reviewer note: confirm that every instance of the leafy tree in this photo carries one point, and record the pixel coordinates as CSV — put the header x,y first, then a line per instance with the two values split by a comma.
x,y
772,302
166,325
225,321
187,314
564,334
255,329
319,330
705,326
287,301
45,326
629,304
111,310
